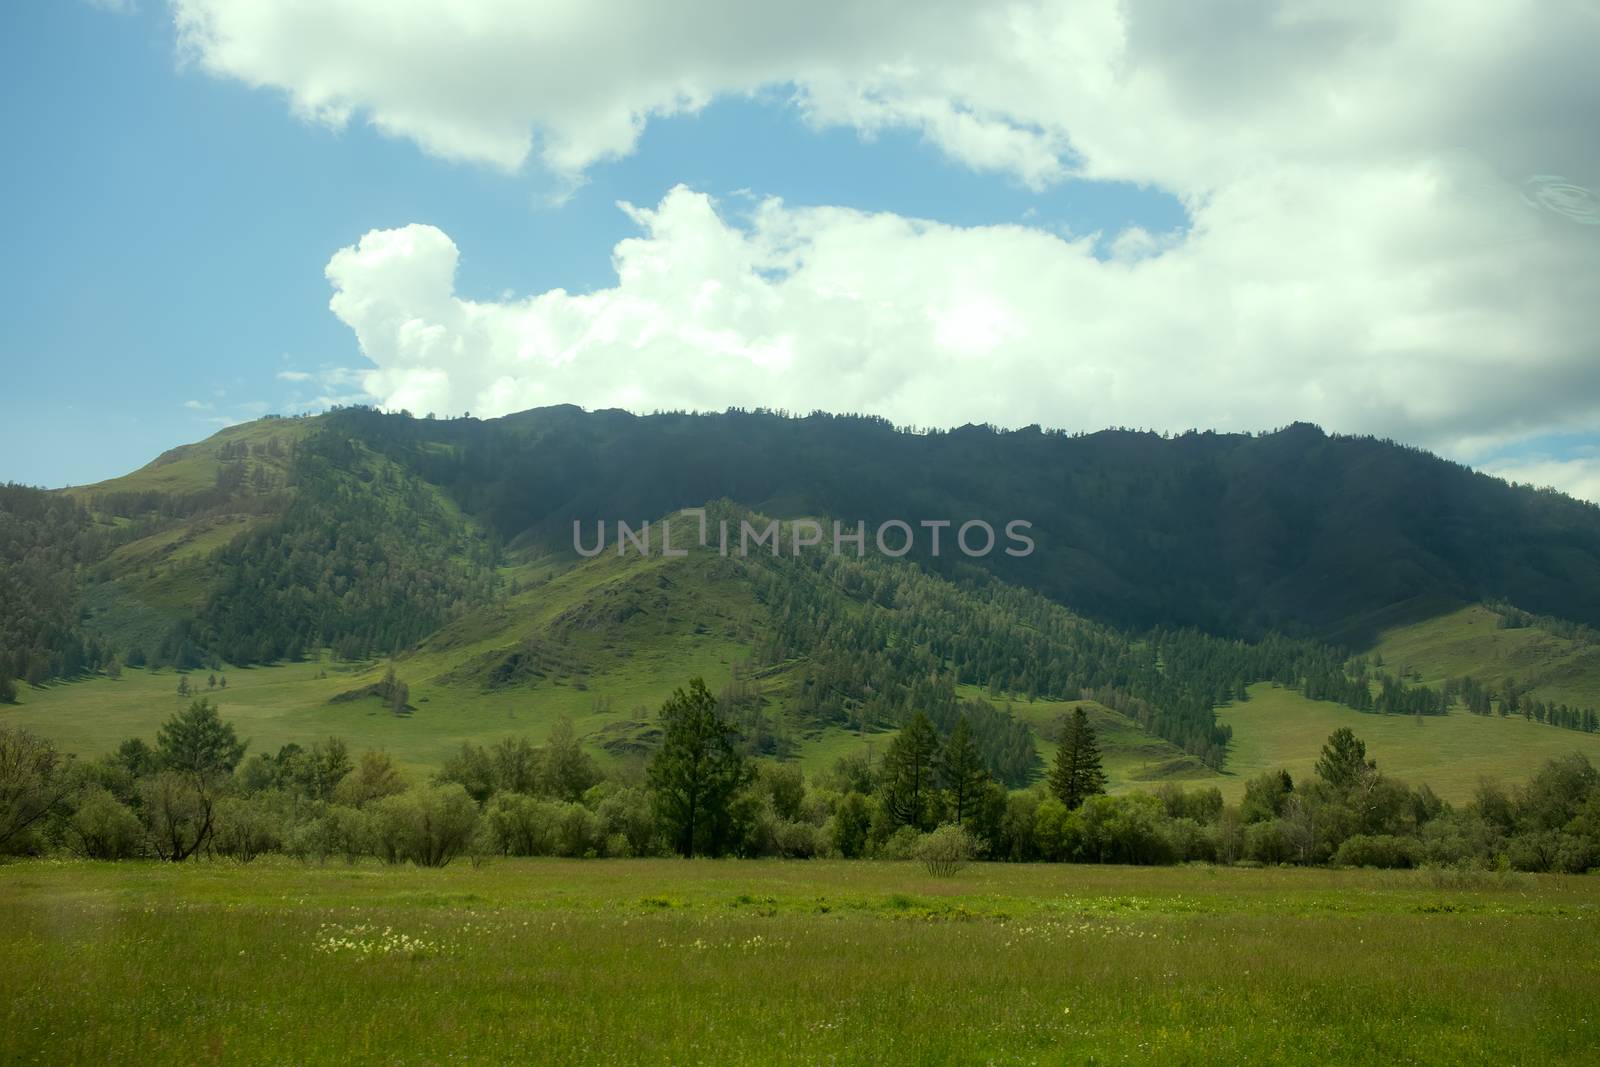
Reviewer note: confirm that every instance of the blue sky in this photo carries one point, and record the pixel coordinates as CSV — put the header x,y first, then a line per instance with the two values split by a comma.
x,y
172,222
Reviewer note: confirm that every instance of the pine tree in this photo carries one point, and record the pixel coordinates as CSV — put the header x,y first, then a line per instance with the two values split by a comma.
x,y
1344,759
908,772
183,685
961,770
1076,775
697,771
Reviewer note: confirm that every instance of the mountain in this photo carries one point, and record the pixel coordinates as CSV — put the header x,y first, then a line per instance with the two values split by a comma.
x,y
1168,574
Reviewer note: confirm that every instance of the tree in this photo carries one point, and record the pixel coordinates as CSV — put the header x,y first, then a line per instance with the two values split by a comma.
x,y
183,685
33,781
197,753
1344,760
179,810
8,689
852,819
374,777
429,825
961,771
908,773
697,771
1076,775
565,769
395,692
1265,796
514,765
198,741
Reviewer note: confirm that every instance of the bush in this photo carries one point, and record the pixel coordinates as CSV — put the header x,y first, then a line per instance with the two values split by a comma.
x,y
946,850
1265,842
246,827
104,828
429,825
795,840
852,821
627,814
1379,850
900,845
521,825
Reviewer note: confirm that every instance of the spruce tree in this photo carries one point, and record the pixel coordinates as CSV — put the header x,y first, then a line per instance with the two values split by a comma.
x,y
908,772
961,770
697,771
1076,775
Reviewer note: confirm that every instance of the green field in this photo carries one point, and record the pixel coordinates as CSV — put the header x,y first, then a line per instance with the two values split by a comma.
x,y
1452,753
791,962
1471,641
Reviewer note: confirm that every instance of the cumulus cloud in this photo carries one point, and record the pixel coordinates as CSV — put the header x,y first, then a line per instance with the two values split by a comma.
x,y
1389,221
1394,303
1184,94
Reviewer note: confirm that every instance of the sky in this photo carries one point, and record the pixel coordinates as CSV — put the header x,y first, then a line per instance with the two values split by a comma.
x,y
1375,215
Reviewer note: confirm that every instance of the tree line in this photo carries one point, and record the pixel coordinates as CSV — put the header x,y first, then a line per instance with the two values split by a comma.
x,y
194,793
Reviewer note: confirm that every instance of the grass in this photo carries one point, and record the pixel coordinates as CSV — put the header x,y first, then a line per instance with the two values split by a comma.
x,y
1280,728
659,961
1131,758
1469,641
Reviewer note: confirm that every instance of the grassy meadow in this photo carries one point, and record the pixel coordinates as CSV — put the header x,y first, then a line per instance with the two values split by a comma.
x,y
1451,753
1471,641
658,961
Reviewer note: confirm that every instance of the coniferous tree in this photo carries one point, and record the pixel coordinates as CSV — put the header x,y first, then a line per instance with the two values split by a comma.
x,y
1344,759
198,741
697,771
1076,775
909,767
961,771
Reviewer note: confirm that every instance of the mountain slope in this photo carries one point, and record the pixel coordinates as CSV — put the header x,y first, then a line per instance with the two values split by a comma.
x,y
1293,530
1167,576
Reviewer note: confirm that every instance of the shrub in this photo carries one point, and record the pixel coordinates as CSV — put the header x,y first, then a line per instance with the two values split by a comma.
x,y
104,828
900,845
245,827
1380,850
1265,842
946,850
795,840
852,821
627,813
429,825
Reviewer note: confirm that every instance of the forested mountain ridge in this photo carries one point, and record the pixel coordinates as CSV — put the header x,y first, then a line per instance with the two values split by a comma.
x,y
1239,534
1168,575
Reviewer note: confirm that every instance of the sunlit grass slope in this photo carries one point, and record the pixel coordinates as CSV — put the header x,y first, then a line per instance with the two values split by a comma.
x,y
1471,641
1452,753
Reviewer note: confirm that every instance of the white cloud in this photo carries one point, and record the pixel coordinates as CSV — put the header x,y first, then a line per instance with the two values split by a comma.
x,y
1364,250
1277,307
1577,475
115,7
1186,95
294,376
197,405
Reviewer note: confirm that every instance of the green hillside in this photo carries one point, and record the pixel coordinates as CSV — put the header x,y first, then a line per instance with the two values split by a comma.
x,y
1495,645
303,557
1277,728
